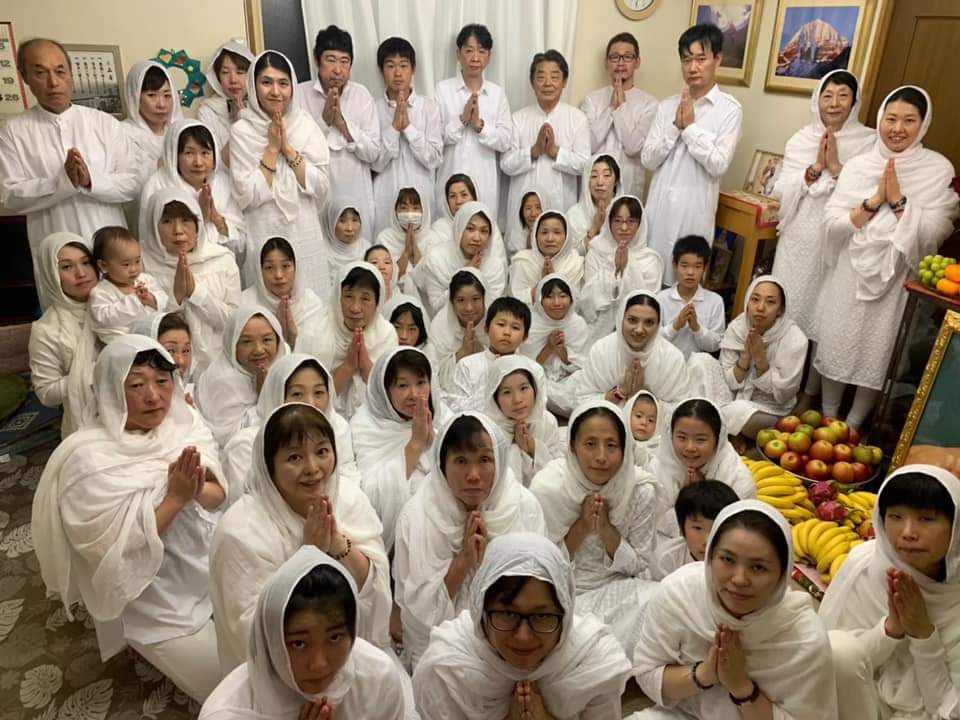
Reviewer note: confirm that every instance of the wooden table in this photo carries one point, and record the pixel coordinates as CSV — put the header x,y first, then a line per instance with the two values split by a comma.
x,y
739,213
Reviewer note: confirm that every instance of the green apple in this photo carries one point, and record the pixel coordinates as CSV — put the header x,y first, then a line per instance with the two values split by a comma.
x,y
765,436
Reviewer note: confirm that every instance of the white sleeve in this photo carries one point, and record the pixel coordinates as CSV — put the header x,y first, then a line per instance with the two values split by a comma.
x,y
714,150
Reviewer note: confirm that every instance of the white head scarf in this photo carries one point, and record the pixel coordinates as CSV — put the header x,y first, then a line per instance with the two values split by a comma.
x,y
398,300
304,302
134,88
394,237
645,450
378,334
446,332
567,262
586,204
274,391
516,233
575,330
236,46
448,259
503,366
462,673
340,253
149,326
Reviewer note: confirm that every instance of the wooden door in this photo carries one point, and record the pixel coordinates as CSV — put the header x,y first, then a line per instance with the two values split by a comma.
x,y
920,49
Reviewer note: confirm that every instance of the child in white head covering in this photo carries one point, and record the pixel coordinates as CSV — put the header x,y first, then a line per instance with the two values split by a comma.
x,y
645,416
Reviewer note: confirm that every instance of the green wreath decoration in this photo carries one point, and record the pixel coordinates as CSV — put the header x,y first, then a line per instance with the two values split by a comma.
x,y
179,60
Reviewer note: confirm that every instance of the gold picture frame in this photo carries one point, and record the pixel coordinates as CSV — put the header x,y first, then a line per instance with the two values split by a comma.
x,y
739,40
637,9
933,396
98,77
812,37
253,20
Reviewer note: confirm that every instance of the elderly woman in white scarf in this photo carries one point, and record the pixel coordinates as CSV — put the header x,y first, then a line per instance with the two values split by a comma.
x,y
307,656
601,510
124,512
63,347
891,207
551,252
470,497
761,361
295,496
599,185
728,639
458,330
893,609
812,162
227,77
346,233
279,162
633,357
522,648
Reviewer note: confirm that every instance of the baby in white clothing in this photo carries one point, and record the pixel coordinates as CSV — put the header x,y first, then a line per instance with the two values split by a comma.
x,y
125,293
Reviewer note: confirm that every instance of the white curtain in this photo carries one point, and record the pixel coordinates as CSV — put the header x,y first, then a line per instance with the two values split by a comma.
x,y
520,29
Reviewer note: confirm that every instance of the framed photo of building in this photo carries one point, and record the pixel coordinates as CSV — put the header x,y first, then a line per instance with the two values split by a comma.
x,y
98,77
739,20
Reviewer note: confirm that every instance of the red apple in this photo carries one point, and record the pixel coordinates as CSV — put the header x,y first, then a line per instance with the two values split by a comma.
x,y
774,449
765,436
799,442
842,453
811,417
826,420
806,429
854,438
841,429
843,473
804,459
861,472
788,424
825,433
816,470
862,454
791,461
821,450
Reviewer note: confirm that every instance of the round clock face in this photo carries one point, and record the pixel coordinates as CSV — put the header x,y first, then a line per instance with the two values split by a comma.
x,y
637,9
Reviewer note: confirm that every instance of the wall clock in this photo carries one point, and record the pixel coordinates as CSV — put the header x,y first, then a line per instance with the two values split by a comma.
x,y
637,9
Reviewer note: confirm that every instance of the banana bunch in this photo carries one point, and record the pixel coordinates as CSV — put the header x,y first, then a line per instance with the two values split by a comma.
x,y
785,492
824,545
859,507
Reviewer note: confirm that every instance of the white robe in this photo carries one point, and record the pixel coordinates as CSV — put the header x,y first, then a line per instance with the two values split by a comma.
x,y
149,143
407,158
468,151
350,162
260,532
393,238
462,677
446,334
526,267
711,315
644,451
214,111
114,312
687,166
621,132
580,216
786,646
340,254
429,534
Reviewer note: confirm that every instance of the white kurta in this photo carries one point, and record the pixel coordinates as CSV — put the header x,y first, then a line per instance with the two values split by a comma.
x,y
687,167
114,312
214,111
711,316
350,162
407,158
464,149
621,132
572,133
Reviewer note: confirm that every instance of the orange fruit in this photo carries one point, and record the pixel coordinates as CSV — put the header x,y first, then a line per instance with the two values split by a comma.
x,y
948,287
952,273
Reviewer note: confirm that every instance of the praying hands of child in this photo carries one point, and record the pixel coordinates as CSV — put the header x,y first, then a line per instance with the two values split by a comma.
x,y
261,376
527,703
76,169
524,439
183,281
694,475
411,254
906,608
558,343
321,709
477,260
470,344
547,267
401,115
685,114
146,298
688,317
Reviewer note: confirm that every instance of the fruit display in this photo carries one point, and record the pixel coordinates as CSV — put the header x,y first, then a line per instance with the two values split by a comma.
x,y
940,274
823,544
815,447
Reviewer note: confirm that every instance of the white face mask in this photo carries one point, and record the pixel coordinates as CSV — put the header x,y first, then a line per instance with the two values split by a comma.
x,y
410,219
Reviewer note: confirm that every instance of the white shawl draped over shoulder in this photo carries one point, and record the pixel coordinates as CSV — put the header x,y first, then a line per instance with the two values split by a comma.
x,y
462,676
260,532
526,267
786,646
306,305
446,334
214,111
368,686
581,215
147,141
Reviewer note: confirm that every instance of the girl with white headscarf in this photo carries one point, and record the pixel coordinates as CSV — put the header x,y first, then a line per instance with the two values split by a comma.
x,y
617,262
279,162
516,400
153,103
557,340
532,202
199,276
227,77
551,252
761,361
409,318
351,337
227,391
890,593
280,287
310,594
470,245
572,667
600,509
633,357
124,513
63,346
812,161
458,330
346,235
599,185
470,497
891,207
727,636
295,497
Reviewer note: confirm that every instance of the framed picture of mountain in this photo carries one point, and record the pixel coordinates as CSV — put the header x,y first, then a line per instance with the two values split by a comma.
x,y
813,37
739,20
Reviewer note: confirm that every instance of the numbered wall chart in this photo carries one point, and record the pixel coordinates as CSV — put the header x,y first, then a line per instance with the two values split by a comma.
x,y
13,98
96,78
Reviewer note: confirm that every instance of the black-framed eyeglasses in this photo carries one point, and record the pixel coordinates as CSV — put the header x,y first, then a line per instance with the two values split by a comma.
x,y
509,621
621,58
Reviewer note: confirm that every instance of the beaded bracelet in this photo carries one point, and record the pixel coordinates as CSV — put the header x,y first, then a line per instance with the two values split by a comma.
x,y
295,163
899,204
696,680
267,167
346,552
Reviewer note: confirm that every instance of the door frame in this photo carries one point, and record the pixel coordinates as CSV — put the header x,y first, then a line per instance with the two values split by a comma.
x,y
881,33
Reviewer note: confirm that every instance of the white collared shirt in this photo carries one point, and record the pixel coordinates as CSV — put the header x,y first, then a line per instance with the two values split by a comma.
x,y
710,316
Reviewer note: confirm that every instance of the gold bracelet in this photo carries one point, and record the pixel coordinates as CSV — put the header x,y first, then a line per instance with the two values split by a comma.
x,y
295,163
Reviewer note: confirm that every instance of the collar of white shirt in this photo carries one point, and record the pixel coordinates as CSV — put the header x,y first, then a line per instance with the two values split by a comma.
x,y
698,296
463,85
56,117
411,101
318,87
713,95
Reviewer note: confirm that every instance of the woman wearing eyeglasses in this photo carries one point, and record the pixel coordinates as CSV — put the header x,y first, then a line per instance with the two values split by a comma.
x,y
520,650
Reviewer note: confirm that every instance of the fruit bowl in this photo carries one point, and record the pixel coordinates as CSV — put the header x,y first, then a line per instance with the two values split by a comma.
x,y
875,472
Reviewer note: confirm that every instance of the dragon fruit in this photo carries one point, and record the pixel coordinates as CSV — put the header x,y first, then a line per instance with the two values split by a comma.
x,y
831,510
822,491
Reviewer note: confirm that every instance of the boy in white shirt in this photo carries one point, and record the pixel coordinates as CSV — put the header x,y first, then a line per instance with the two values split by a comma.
x,y
693,317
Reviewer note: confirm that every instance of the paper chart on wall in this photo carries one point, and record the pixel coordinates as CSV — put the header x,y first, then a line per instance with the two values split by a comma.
x,y
12,96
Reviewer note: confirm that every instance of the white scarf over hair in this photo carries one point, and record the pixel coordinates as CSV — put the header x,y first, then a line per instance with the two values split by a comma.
x,y
786,646
260,532
576,335
67,326
264,688
581,214
149,142
446,332
857,601
526,268
397,300
340,253
304,302
463,676
664,368
107,552
885,247
517,238
854,138
219,100
226,392
150,327
644,451
394,237
249,139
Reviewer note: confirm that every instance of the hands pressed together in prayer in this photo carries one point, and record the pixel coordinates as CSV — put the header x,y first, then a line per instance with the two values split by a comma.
x,y
411,254
320,529
556,345
527,703
596,225
726,664
76,168
321,709
754,354
546,143
146,298
358,357
208,209
475,540
687,318
188,479
631,384
470,344
685,116
906,609
333,114
828,156
184,283
471,113
401,115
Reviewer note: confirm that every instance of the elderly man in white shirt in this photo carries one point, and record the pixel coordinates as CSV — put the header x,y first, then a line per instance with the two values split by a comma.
x,y
66,167
690,147
476,120
347,114
551,139
411,145
620,114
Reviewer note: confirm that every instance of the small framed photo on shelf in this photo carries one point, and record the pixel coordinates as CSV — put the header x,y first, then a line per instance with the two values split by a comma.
x,y
763,173
739,20
98,77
